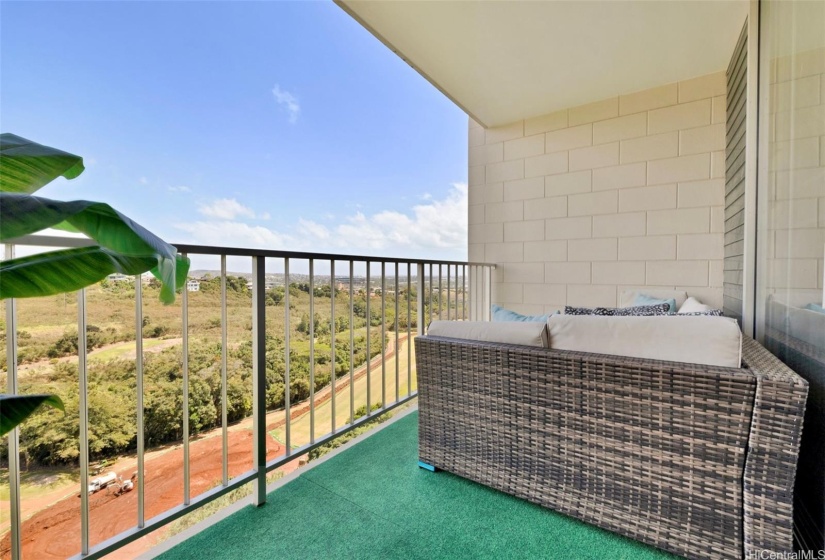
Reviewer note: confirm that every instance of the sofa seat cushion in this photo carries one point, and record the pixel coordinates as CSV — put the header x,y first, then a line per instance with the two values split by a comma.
x,y
715,341
524,334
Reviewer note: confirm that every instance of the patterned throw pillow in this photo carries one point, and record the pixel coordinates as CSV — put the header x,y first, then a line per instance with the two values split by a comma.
x,y
637,311
709,312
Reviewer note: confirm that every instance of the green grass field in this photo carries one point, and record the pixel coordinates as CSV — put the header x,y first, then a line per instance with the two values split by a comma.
x,y
127,349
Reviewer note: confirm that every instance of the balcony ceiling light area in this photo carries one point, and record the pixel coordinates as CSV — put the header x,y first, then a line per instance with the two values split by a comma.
x,y
509,60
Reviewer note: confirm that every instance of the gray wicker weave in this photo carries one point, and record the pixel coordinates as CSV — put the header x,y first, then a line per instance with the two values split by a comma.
x,y
696,460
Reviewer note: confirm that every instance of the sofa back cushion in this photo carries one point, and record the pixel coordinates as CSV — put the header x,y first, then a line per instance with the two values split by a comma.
x,y
525,334
715,341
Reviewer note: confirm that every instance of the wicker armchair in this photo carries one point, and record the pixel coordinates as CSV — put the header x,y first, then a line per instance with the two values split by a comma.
x,y
695,460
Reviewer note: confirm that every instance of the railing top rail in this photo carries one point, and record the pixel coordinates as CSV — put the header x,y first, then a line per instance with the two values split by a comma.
x,y
55,241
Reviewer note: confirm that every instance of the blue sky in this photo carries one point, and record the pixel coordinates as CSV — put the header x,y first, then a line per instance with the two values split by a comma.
x,y
267,124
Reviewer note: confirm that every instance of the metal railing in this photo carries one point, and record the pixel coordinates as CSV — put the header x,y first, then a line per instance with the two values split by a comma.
x,y
468,297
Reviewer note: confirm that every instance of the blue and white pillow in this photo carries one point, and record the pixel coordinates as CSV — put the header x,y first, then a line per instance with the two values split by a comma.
x,y
502,314
644,299
815,307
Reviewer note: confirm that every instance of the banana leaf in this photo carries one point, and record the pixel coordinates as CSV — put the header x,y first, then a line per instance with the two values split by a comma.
x,y
26,166
14,409
22,214
67,270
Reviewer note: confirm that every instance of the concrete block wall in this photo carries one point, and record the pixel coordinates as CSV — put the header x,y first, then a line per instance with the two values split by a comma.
x,y
576,206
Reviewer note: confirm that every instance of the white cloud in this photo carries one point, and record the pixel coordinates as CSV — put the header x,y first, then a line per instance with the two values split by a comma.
x,y
288,102
228,233
438,224
312,229
180,188
226,209
144,181
435,229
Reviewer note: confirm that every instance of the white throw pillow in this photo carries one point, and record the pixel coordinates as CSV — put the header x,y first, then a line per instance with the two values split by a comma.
x,y
693,305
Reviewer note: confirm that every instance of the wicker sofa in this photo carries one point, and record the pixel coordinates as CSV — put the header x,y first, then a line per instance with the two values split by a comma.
x,y
696,460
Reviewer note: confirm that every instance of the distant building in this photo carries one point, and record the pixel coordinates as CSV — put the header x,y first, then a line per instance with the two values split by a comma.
x,y
193,286
117,277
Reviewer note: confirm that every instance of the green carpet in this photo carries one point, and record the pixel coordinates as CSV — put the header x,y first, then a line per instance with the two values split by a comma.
x,y
372,501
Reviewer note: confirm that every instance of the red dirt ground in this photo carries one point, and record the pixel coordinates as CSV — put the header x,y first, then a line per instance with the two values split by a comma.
x,y
54,533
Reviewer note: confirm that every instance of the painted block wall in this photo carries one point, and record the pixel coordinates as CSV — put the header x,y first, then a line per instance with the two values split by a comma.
x,y
576,206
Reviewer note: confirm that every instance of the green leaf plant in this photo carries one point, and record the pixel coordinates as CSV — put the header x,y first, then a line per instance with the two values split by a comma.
x,y
14,409
123,245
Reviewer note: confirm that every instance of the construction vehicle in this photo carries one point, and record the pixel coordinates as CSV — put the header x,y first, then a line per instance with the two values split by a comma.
x,y
102,482
122,486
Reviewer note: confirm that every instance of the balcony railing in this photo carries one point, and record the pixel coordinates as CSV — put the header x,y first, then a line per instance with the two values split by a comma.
x,y
412,281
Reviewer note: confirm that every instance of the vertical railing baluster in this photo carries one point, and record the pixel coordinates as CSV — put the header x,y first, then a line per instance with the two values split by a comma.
x,y
480,278
185,334
259,377
409,328
483,293
430,312
397,352
464,292
474,293
351,346
471,311
141,432
332,338
83,405
287,380
419,319
383,334
224,379
311,350
448,291
369,355
13,435
488,292
440,292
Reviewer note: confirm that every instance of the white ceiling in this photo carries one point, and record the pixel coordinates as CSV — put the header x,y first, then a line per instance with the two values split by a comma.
x,y
508,60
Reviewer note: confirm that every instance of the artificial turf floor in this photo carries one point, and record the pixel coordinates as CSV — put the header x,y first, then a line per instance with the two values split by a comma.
x,y
372,501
